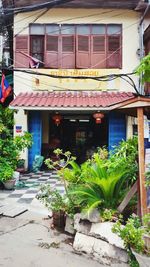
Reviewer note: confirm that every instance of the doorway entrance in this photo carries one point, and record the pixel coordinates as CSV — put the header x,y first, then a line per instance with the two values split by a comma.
x,y
78,134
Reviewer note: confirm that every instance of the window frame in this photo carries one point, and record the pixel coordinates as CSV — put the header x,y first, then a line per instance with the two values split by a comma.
x,y
91,46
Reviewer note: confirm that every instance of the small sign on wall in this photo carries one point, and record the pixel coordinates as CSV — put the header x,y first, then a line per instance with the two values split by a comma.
x,y
18,129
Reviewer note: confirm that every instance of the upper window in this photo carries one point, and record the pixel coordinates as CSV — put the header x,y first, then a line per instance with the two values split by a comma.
x,y
77,46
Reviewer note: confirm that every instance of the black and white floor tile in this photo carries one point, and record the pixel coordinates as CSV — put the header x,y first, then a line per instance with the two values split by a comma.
x,y
32,182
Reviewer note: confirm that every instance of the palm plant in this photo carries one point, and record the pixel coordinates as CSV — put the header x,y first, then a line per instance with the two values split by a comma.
x,y
102,185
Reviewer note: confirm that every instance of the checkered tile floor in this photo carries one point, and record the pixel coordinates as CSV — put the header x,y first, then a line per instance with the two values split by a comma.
x,y
25,195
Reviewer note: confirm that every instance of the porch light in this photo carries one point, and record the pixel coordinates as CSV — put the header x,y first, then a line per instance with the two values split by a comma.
x,y
57,119
98,117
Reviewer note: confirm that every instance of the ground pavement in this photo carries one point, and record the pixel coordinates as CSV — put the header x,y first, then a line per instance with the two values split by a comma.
x,y
30,186
27,240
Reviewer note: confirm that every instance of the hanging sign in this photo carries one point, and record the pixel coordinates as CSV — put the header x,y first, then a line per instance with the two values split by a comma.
x,y
18,129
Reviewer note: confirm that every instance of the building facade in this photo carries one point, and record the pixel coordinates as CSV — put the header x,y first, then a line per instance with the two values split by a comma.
x,y
70,66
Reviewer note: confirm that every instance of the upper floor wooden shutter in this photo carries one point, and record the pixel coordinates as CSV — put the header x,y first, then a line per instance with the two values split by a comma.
x,y
68,52
98,51
83,51
52,51
21,46
114,51
37,47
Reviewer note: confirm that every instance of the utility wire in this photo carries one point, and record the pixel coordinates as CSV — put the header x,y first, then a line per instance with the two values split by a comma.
x,y
49,4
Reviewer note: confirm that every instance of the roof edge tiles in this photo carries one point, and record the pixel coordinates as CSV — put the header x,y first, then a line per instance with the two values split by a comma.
x,y
73,99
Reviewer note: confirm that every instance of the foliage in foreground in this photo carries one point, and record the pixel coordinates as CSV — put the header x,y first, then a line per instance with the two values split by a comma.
x,y
132,235
10,147
101,181
144,69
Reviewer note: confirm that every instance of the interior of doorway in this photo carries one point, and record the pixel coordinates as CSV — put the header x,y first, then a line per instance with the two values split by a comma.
x,y
78,134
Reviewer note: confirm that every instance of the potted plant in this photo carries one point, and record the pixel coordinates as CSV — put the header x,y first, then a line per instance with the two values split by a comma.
x,y
10,147
21,165
133,234
6,175
52,199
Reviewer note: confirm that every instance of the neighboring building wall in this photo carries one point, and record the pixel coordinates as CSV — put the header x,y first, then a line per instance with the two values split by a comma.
x,y
129,21
1,48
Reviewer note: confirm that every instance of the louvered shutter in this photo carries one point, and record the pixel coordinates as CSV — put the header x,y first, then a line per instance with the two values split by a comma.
x,y
68,52
83,51
98,51
52,51
114,51
21,45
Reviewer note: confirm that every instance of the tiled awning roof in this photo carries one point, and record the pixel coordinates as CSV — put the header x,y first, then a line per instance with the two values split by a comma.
x,y
69,100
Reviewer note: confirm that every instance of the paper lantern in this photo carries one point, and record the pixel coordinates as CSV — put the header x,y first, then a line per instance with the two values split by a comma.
x,y
98,117
57,119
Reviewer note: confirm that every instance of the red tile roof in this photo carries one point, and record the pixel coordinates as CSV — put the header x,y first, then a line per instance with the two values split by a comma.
x,y
72,99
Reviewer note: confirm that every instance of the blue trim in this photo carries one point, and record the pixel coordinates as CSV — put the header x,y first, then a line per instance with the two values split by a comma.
x,y
35,127
117,129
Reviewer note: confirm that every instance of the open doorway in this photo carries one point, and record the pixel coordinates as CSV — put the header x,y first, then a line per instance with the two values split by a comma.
x,y
78,134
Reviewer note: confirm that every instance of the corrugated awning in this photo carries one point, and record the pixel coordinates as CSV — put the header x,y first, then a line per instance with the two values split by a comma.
x,y
69,100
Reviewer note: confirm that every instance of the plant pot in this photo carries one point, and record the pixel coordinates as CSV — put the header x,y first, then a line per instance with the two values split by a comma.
x,y
59,219
21,170
69,225
9,185
143,260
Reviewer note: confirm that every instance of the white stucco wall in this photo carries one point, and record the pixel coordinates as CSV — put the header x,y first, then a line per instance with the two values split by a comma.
x,y
21,120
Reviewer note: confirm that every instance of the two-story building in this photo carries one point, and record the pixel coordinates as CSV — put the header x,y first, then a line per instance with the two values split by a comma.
x,y
85,49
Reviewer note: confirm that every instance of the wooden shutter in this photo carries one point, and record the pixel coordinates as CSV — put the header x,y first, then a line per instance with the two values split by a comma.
x,y
21,45
52,51
37,47
98,51
114,51
83,51
68,52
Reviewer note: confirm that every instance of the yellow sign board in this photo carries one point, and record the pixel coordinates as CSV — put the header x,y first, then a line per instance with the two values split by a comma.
x,y
62,82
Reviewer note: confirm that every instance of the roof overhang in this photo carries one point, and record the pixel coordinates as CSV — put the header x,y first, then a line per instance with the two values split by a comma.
x,y
70,101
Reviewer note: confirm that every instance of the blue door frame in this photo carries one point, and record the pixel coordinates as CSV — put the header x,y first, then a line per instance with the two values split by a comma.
x,y
117,129
35,127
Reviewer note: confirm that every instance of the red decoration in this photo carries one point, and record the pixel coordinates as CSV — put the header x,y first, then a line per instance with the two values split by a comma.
x,y
57,119
98,117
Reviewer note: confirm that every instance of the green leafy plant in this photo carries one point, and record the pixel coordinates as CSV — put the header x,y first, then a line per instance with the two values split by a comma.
x,y
109,215
126,154
147,178
144,69
20,163
54,201
146,223
102,186
6,171
132,235
10,147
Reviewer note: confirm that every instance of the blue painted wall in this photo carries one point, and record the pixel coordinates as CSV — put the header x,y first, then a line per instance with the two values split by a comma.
x,y
35,127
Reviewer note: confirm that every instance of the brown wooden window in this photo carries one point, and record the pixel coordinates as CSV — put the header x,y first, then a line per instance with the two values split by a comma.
x,y
37,47
67,46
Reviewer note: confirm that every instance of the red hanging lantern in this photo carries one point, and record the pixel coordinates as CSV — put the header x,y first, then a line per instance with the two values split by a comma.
x,y
57,119
98,117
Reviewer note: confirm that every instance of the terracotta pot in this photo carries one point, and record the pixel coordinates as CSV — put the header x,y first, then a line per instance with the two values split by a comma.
x,y
59,219
9,185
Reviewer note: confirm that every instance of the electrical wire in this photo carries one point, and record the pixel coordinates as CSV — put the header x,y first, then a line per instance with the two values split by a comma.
x,y
49,4
65,20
